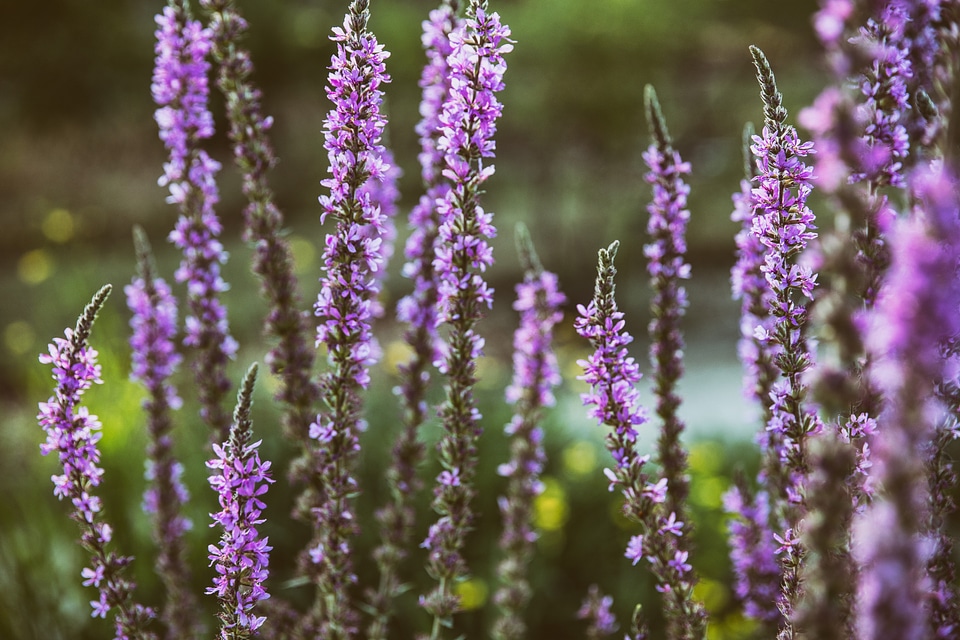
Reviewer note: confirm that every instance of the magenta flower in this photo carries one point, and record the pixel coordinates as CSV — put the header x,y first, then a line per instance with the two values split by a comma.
x,y
467,125
914,318
242,558
596,611
154,360
612,375
353,257
291,359
753,553
667,267
180,90
73,433
535,374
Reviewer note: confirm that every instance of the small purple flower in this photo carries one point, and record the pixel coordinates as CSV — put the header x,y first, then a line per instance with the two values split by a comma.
x,y
242,558
596,610
753,553
635,549
667,266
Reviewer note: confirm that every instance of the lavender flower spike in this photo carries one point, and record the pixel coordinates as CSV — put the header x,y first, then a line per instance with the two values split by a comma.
x,y
785,225
242,557
418,311
291,358
73,433
154,360
345,307
535,374
180,90
915,316
667,267
468,124
612,375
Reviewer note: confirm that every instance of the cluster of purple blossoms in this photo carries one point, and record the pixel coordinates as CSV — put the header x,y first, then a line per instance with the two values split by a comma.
x,y
596,611
353,257
884,87
418,311
915,316
753,553
154,361
180,89
467,124
613,375
241,559
73,433
535,374
291,359
667,266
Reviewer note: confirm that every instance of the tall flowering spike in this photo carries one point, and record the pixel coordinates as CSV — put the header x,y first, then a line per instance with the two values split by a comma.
x,y
154,361
944,607
73,433
180,91
785,225
353,257
291,358
467,125
915,315
418,311
612,375
535,374
667,267
826,607
242,558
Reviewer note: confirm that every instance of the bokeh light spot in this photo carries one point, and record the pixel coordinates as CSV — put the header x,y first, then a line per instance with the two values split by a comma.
x,y
580,458
19,337
304,254
472,592
397,352
550,509
705,457
35,266
59,226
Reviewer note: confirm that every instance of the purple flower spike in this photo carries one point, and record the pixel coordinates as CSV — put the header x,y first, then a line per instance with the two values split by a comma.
x,y
534,377
418,312
292,358
353,259
467,126
180,90
914,318
242,558
154,360
73,433
612,375
785,225
667,267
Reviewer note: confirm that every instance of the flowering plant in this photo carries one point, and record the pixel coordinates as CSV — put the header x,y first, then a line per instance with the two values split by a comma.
x,y
849,342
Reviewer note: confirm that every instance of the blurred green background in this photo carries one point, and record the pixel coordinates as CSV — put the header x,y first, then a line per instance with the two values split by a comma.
x,y
79,162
